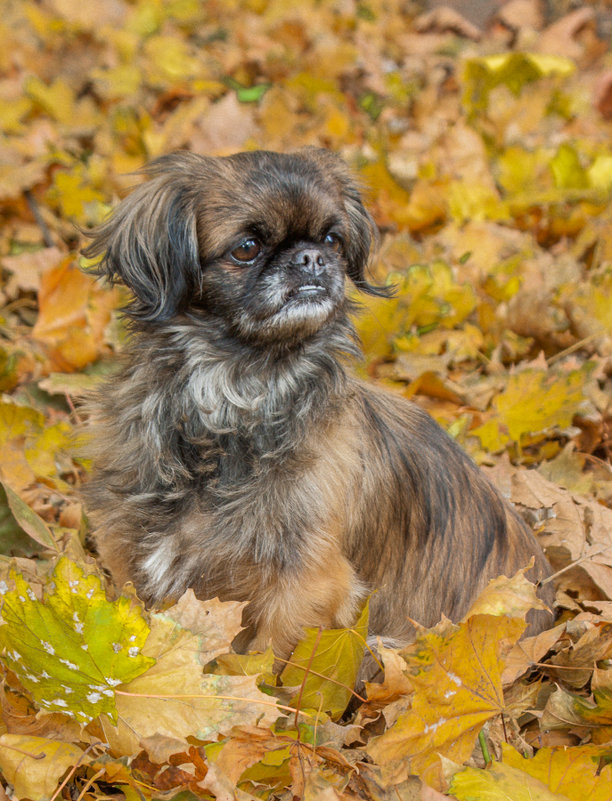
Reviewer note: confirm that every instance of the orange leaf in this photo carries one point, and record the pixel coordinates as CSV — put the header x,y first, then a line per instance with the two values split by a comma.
x,y
74,311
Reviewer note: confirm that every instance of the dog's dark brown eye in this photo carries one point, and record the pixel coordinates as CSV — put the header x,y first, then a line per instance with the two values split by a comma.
x,y
247,250
334,242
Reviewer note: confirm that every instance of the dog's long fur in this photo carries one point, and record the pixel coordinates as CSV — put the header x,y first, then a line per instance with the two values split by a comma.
x,y
236,454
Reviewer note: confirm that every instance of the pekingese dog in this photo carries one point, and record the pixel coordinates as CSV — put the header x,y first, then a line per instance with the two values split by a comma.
x,y
236,454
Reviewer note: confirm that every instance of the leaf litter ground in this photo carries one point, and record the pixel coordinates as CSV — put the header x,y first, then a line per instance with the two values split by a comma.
x,y
485,153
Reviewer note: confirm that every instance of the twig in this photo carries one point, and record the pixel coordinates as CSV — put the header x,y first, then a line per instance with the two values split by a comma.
x,y
585,558
25,753
74,769
33,204
307,670
324,677
570,349
89,783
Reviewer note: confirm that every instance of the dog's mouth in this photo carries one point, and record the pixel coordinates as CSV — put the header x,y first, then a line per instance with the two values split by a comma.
x,y
308,291
293,312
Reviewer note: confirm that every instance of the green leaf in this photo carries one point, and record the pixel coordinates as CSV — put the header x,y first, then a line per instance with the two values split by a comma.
x,y
326,664
248,94
14,541
34,526
73,647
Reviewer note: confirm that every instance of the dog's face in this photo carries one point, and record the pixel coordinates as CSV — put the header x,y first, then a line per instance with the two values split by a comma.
x,y
262,241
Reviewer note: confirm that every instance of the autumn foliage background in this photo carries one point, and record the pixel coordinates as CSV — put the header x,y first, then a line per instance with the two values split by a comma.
x,y
485,152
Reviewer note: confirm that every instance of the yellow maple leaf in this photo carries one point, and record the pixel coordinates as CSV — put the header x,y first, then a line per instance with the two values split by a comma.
x,y
34,765
500,781
57,99
576,772
534,402
175,699
513,596
456,672
72,191
170,59
514,70
28,450
538,400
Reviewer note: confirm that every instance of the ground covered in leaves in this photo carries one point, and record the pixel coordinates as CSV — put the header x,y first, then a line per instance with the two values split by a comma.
x,y
487,159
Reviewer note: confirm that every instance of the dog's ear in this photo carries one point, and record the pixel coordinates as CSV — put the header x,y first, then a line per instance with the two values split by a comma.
x,y
150,241
363,233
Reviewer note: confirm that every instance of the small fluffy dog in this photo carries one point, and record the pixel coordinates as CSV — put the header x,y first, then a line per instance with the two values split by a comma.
x,y
235,454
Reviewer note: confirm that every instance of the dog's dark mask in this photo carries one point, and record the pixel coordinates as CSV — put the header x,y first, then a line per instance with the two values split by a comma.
x,y
261,240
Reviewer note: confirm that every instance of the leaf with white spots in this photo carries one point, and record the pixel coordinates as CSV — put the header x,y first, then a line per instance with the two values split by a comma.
x,y
73,647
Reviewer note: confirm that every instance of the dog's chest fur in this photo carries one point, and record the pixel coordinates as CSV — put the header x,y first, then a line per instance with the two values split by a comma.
x,y
237,480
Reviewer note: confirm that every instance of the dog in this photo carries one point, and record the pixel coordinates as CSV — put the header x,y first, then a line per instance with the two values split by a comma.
x,y
236,454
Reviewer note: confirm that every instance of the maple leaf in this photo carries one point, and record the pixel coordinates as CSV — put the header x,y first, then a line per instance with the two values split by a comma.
x,y
578,773
500,781
514,70
34,765
324,665
174,699
534,401
513,596
565,708
73,314
72,648
456,672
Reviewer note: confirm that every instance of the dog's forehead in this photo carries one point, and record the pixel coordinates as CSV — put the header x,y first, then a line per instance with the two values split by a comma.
x,y
278,196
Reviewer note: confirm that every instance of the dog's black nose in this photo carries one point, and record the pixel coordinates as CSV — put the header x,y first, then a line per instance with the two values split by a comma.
x,y
310,260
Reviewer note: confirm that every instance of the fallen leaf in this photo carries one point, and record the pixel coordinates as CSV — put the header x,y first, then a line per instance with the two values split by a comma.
x,y
535,401
500,782
71,649
175,700
561,37
456,671
74,311
34,765
578,773
324,666
514,70
28,520
526,653
513,596
26,268
593,646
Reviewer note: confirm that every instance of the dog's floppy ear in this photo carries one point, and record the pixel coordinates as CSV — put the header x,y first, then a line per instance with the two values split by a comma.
x,y
150,241
363,233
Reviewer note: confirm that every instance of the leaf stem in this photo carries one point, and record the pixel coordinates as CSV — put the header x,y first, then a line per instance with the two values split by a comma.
x,y
25,753
306,672
322,676
587,557
75,767
172,697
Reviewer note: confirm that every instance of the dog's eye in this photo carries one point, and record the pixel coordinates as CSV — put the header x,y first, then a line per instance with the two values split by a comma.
x,y
247,250
334,242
